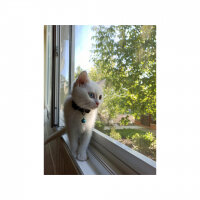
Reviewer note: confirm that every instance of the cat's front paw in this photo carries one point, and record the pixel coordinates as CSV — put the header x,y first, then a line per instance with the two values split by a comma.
x,y
82,156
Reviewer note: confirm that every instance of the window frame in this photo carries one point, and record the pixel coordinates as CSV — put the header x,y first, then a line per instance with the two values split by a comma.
x,y
71,55
55,76
106,155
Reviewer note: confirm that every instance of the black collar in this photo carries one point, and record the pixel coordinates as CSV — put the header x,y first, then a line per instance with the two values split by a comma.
x,y
76,107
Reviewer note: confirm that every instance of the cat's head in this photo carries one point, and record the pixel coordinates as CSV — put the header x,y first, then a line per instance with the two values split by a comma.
x,y
87,93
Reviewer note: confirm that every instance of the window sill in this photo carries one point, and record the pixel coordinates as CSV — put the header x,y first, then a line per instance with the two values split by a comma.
x,y
85,167
110,157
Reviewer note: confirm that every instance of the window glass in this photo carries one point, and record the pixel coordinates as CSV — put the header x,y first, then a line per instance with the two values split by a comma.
x,y
48,63
83,46
64,69
126,57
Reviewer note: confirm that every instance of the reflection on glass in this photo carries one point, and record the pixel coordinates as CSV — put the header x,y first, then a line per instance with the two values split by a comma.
x,y
64,68
48,61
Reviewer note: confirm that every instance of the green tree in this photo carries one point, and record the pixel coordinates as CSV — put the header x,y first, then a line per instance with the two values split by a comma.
x,y
110,107
126,57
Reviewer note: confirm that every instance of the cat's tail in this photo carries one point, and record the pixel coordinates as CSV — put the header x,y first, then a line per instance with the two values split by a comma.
x,y
55,135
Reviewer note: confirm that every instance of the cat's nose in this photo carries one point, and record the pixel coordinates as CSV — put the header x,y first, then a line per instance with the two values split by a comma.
x,y
97,103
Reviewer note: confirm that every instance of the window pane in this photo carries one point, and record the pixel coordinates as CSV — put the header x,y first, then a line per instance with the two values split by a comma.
x,y
83,46
48,64
64,68
126,57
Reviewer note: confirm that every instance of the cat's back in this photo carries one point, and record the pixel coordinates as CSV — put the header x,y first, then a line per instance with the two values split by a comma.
x,y
68,112
67,105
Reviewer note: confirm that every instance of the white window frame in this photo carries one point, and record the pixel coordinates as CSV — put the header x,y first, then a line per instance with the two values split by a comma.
x,y
107,156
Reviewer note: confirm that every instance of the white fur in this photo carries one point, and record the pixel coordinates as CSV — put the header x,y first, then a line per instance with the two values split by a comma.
x,y
80,133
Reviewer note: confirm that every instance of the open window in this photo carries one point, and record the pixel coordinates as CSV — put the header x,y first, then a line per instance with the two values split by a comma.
x,y
121,144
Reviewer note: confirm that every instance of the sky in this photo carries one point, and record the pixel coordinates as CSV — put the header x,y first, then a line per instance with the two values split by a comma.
x,y
83,45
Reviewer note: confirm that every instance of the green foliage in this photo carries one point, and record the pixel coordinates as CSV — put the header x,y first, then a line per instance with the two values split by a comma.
x,y
124,121
114,134
126,133
126,57
145,142
112,103
99,125
142,141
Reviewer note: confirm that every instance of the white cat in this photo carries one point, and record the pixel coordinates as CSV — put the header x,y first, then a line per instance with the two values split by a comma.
x,y
80,111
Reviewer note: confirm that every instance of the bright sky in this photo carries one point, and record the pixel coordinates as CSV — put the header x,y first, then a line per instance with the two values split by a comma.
x,y
83,45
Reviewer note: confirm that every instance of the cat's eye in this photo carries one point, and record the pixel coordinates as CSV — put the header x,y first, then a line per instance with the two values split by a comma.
x,y
91,95
100,97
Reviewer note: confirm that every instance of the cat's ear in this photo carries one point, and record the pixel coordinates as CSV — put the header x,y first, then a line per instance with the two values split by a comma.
x,y
102,82
82,78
